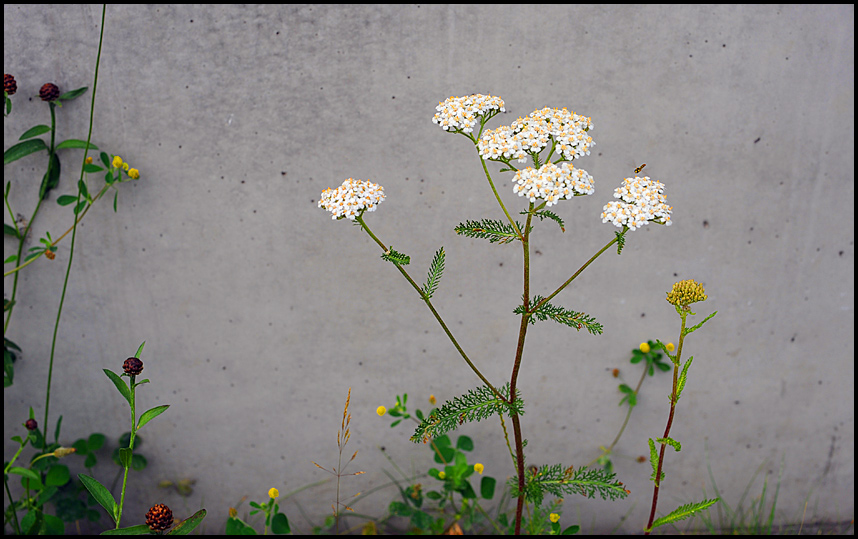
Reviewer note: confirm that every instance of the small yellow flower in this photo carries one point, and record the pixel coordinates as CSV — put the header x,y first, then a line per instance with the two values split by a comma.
x,y
381,410
117,162
554,517
442,475
89,160
432,399
133,173
644,347
273,493
479,468
670,347
232,512
125,167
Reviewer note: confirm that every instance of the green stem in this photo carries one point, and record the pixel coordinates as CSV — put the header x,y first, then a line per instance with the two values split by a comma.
x,y
577,273
625,422
74,231
673,400
404,273
127,463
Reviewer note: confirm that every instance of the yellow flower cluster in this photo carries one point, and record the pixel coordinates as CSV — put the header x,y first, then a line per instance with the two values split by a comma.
x,y
685,293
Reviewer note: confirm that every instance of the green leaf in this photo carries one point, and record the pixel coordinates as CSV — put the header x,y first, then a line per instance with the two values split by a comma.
x,y
189,524
89,168
280,524
96,441
573,319
58,475
68,96
436,268
125,457
236,526
51,179
683,512
396,257
571,530
81,185
140,350
23,149
149,415
81,205
494,231
683,377
76,143
476,405
464,443
671,442
10,230
621,240
100,493
139,529
65,200
35,132
546,214
17,470
487,487
120,384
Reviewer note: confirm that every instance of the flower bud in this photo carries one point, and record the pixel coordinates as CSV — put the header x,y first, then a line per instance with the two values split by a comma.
x,y
31,424
9,84
132,366
49,92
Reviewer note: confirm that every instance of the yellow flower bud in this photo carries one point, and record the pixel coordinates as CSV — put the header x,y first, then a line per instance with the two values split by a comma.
x,y
117,162
670,347
644,347
133,173
89,160
554,517
684,293
442,475
273,493
125,167
432,399
479,468
381,410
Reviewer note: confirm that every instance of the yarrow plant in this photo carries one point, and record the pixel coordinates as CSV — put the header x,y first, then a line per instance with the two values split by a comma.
x,y
551,140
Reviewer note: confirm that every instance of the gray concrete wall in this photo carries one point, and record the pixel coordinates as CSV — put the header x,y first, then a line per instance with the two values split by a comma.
x,y
259,311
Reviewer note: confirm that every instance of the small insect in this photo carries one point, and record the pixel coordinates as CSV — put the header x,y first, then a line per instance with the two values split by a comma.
x,y
640,168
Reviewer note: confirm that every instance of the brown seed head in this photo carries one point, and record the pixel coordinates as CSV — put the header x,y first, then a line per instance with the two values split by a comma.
x,y
9,84
159,518
49,92
31,424
132,366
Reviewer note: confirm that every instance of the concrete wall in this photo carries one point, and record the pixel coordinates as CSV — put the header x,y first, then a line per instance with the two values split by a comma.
x,y
259,312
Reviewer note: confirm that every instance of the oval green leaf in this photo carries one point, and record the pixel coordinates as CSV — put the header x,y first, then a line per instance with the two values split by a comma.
x,y
100,493
76,143
35,132
23,149
149,415
120,384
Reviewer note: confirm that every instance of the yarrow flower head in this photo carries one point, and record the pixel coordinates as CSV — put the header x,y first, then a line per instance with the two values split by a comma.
x,y
552,183
460,113
352,198
684,293
567,131
641,200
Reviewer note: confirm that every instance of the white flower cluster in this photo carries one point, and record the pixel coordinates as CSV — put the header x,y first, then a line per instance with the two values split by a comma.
x,y
642,201
461,112
352,197
552,183
533,134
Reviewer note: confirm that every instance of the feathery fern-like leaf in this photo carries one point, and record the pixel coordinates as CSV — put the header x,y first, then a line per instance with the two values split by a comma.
x,y
557,481
653,459
547,214
683,377
621,241
476,405
671,442
436,268
494,231
695,328
573,319
683,512
396,257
